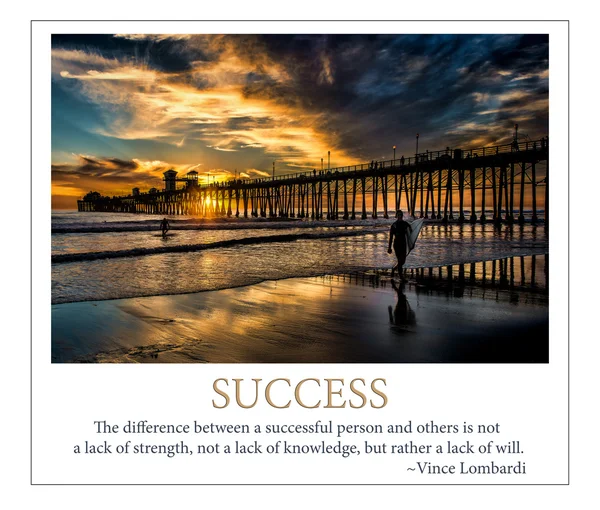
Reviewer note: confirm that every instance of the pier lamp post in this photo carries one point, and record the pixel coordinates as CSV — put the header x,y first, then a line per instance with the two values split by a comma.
x,y
321,164
417,153
273,170
328,160
416,183
394,147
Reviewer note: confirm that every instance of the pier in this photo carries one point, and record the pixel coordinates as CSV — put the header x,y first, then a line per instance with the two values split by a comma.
x,y
456,184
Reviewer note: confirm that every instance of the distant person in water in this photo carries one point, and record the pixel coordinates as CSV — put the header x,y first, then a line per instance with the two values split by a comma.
x,y
399,231
164,226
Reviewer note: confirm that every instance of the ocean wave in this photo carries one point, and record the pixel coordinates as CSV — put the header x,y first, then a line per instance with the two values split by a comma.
x,y
114,266
212,224
186,248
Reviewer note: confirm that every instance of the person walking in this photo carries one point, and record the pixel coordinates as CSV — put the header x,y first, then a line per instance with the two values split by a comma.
x,y
399,232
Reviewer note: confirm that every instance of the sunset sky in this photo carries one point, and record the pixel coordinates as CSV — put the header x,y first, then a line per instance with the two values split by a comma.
x,y
126,108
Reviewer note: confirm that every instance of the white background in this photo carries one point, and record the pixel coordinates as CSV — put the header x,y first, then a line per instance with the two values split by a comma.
x,y
71,397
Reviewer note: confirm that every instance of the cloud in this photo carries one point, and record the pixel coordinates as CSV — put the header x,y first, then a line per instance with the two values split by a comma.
x,y
543,75
326,74
212,102
480,97
292,98
221,148
153,37
76,60
253,172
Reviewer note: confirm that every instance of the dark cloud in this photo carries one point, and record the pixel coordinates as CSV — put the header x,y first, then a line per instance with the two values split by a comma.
x,y
168,55
90,161
366,92
121,164
375,89
113,171
247,122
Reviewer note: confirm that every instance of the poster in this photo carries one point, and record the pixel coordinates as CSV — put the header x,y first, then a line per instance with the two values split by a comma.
x,y
258,336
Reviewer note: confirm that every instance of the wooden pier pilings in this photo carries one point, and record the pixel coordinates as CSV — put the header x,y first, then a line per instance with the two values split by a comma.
x,y
434,185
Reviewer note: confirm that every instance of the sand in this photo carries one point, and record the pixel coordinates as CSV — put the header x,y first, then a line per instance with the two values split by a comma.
x,y
337,319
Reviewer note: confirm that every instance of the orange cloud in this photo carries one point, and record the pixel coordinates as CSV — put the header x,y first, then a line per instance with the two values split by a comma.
x,y
142,103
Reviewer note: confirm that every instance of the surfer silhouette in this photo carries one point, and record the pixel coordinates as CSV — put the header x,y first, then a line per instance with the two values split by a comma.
x,y
399,231
164,226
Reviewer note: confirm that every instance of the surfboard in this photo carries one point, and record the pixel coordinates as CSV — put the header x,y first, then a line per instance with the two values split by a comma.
x,y
411,239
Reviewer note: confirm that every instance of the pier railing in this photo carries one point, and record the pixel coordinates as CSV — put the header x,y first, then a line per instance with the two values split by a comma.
x,y
439,157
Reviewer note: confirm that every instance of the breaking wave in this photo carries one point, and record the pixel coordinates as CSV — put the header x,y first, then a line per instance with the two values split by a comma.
x,y
183,248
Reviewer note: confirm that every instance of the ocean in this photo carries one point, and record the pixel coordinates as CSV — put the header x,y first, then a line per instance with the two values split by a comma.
x,y
100,256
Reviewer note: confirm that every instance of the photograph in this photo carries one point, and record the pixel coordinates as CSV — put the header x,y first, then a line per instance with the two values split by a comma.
x,y
300,198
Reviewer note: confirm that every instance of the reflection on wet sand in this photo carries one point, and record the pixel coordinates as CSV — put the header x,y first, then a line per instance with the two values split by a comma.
x,y
403,315
493,311
526,279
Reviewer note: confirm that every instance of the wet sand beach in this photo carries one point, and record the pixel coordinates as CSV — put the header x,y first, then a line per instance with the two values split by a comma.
x,y
469,313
